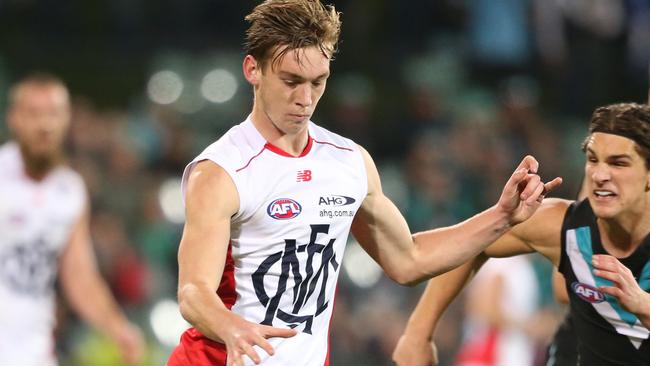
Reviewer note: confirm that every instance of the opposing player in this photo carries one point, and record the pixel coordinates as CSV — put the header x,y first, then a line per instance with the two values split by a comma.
x,y
44,233
599,244
269,207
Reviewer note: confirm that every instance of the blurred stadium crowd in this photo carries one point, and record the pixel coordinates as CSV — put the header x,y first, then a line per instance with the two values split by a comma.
x,y
447,95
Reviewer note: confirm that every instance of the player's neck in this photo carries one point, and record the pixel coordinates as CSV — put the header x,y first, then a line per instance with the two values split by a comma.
x,y
38,167
291,142
621,236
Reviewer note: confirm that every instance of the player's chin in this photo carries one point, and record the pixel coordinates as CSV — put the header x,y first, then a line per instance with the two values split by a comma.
x,y
44,151
605,212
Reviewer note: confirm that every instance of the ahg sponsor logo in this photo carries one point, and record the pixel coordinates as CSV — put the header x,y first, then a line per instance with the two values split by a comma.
x,y
588,293
334,200
284,209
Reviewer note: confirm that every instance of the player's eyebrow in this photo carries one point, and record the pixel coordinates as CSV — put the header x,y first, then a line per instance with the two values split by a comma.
x,y
611,157
287,74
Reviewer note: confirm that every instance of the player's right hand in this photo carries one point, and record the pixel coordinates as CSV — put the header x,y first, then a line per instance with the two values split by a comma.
x,y
241,335
415,351
524,191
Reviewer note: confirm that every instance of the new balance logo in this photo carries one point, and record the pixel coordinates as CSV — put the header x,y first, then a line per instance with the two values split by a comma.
x,y
303,176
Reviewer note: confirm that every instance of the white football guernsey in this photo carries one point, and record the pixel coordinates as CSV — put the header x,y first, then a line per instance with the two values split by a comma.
x,y
36,219
287,239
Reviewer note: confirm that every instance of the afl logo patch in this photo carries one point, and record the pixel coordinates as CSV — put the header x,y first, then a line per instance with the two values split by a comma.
x,y
284,209
588,293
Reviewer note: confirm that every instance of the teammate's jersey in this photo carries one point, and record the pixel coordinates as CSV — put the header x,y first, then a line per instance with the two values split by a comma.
x,y
36,219
607,334
287,239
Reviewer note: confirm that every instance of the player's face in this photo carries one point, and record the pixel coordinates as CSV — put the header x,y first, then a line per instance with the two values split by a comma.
x,y
287,93
616,176
39,118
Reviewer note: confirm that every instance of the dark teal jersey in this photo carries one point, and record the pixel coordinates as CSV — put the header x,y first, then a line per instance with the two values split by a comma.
x,y
606,333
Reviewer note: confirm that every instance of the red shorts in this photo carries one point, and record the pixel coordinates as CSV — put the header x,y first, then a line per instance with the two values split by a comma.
x,y
195,349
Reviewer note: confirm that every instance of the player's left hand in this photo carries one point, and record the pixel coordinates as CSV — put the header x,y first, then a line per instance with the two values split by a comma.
x,y
415,351
625,287
524,191
131,343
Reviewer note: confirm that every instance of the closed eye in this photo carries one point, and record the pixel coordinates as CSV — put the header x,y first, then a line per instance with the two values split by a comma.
x,y
620,163
291,83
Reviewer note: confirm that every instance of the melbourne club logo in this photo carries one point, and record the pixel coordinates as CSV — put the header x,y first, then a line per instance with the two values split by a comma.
x,y
303,278
29,268
588,293
284,209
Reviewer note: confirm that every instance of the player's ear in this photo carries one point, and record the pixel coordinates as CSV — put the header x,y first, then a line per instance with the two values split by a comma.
x,y
252,70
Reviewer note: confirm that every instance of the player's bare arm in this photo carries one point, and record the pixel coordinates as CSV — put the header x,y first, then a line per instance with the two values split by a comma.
x,y
382,230
90,296
210,202
539,234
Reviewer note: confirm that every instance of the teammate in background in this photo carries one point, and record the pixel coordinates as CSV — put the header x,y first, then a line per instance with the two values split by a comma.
x,y
44,233
269,207
499,307
600,245
563,349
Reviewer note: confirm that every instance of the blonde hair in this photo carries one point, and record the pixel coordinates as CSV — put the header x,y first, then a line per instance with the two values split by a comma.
x,y
279,26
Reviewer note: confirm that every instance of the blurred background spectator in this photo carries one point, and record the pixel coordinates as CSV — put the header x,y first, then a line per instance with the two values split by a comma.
x,y
446,95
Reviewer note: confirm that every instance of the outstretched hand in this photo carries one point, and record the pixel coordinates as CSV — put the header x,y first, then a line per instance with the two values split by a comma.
x,y
131,343
242,335
525,191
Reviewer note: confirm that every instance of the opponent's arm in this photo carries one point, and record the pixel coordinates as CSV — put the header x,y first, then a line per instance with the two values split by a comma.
x,y
383,232
90,297
415,347
211,200
541,233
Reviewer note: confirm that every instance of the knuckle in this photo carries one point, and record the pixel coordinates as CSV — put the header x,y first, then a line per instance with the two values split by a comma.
x,y
618,278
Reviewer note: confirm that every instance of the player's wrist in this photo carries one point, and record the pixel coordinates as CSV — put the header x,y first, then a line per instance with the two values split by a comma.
x,y
502,217
644,313
115,325
419,331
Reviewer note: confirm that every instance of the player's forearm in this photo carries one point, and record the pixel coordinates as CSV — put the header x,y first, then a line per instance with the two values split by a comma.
x,y
437,296
440,250
91,298
201,307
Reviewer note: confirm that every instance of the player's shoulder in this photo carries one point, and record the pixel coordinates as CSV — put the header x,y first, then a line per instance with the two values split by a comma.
x,y
547,219
554,206
9,154
235,147
65,175
323,136
230,142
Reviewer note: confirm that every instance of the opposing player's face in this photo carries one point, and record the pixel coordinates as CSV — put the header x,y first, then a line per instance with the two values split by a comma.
x,y
288,92
616,176
39,117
